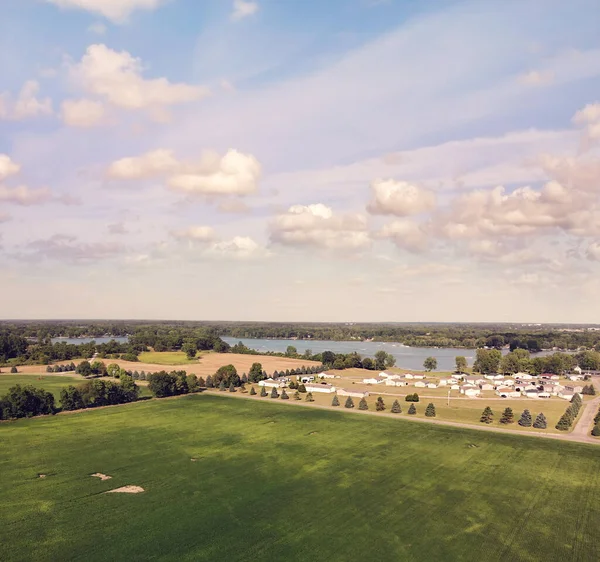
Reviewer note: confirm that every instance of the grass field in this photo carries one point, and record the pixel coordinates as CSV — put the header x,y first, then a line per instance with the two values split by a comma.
x,y
51,383
272,482
166,358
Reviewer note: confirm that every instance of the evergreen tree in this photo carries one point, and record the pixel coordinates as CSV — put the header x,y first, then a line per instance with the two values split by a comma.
x,y
525,420
396,409
243,388
301,388
335,401
540,421
274,393
309,397
507,416
293,385
201,382
564,423
380,404
284,395
244,378
362,405
576,400
596,431
592,390
297,396
349,402
231,388
222,386
263,391
252,391
412,410
487,415
430,410
209,382
13,370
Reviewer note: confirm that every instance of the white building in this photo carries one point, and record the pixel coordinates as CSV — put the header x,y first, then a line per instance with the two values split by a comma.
x,y
374,380
352,393
486,386
325,388
420,384
431,385
471,392
270,383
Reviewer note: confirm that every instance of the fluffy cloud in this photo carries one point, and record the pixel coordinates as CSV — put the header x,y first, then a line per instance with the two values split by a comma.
x,y
25,196
196,234
26,104
399,198
317,226
405,234
116,10
8,167
82,113
117,78
233,173
240,247
242,9
589,117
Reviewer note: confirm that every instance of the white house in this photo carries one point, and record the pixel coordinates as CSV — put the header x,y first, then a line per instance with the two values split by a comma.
x,y
506,392
420,384
532,393
575,377
566,394
326,388
472,392
388,374
554,378
455,387
577,370
431,385
524,376
419,377
457,377
270,383
307,378
352,393
409,376
486,386
443,382
329,376
544,395
374,380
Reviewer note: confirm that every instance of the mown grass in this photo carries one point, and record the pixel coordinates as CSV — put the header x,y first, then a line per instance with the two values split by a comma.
x,y
166,358
51,383
275,483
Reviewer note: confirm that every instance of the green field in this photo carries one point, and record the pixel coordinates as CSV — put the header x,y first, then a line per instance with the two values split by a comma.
x,y
51,383
166,358
272,482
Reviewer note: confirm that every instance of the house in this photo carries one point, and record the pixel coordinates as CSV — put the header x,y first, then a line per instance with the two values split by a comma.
x,y
532,393
498,377
506,382
420,384
409,376
566,394
307,378
523,376
374,380
329,376
578,370
388,374
486,386
575,377
544,395
474,380
457,377
419,376
468,387
574,389
472,392
352,393
555,378
392,382
431,385
326,388
455,387
270,383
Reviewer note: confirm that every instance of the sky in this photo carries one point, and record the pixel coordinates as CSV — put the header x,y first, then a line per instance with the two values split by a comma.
x,y
354,160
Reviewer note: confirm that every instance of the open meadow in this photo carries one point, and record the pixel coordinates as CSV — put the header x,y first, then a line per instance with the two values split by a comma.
x,y
52,383
231,479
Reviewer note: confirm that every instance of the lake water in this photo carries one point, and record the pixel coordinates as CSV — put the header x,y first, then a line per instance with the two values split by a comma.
x,y
406,357
79,341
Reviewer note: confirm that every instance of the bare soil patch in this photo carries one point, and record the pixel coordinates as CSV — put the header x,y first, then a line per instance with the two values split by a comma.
x,y
126,490
101,476
41,476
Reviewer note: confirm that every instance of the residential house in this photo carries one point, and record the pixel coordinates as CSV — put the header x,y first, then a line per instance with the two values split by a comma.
x,y
507,392
543,394
409,376
352,393
575,377
523,376
472,392
270,383
307,378
532,393
574,389
455,387
326,388
328,376
374,380
420,384
566,394
431,385
419,377
486,386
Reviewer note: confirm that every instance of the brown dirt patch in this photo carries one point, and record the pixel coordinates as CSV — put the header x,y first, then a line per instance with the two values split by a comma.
x,y
101,476
126,490
41,476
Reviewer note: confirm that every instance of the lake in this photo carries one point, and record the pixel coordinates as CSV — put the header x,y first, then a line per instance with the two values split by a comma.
x,y
79,341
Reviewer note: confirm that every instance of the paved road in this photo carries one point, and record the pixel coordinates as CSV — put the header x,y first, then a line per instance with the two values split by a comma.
x,y
583,428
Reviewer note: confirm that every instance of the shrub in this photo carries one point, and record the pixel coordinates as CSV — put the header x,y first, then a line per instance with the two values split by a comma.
x,y
525,420
349,402
335,401
596,431
301,388
274,393
209,382
396,409
252,392
362,405
380,404
412,397
507,416
412,410
540,421
13,370
284,395
309,397
263,391
71,399
487,415
430,410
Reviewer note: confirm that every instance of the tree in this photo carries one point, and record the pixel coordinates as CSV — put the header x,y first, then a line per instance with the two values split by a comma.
x,y
576,399
487,361
380,404
309,397
162,384
222,386
487,415
301,388
284,395
263,391
380,358
84,369
201,382
255,373
113,370
507,416
461,363
368,364
396,408
565,422
274,393
231,388
327,357
190,349
335,401
291,351
412,410
525,420
430,410
516,361
209,382
14,370
297,396
362,405
349,402
540,421
430,364
252,391
412,397
71,399
596,431
227,374
390,361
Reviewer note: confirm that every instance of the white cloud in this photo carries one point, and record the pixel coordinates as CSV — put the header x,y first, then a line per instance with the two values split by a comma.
x,y
537,78
406,234
589,117
196,234
97,28
317,226
8,167
151,164
240,247
399,198
65,248
25,196
593,251
82,113
243,9
117,77
26,104
116,10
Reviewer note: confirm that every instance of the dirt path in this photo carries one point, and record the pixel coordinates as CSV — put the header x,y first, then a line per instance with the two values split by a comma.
x,y
573,437
584,426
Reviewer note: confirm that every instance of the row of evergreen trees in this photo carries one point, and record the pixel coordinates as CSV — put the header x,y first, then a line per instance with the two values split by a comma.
x,y
61,368
571,413
508,417
596,428
589,390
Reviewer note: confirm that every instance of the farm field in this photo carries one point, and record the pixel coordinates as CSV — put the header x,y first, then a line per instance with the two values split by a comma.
x,y
51,383
271,482
166,358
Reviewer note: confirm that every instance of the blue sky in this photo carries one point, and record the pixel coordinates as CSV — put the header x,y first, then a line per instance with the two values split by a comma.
x,y
268,160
